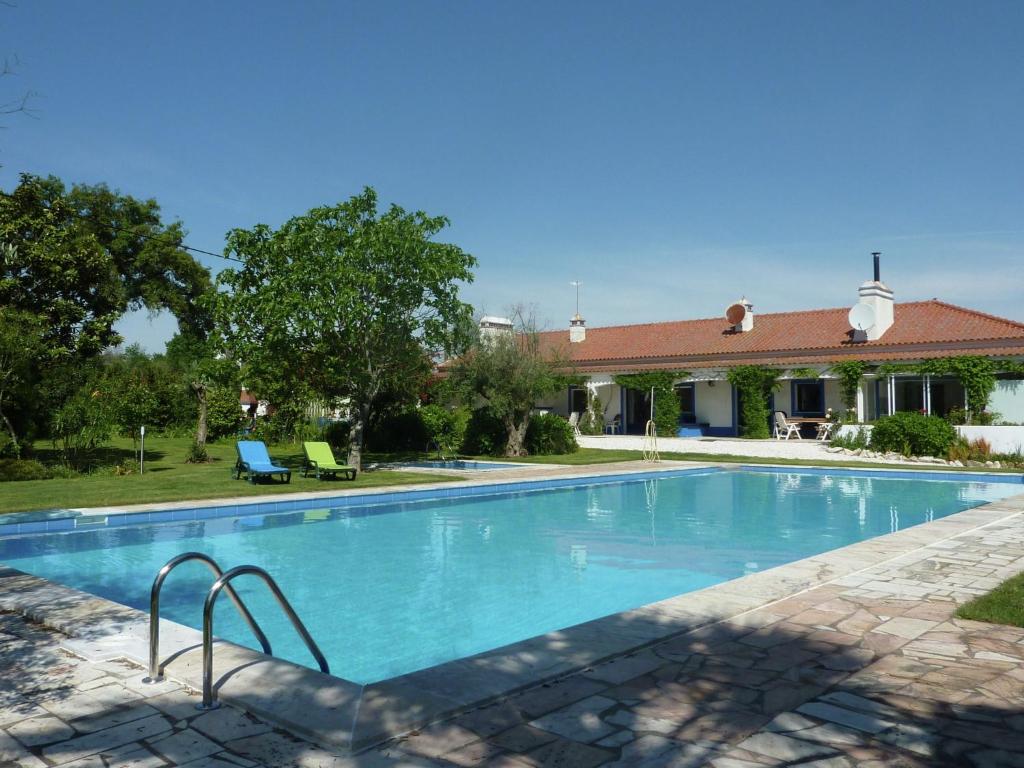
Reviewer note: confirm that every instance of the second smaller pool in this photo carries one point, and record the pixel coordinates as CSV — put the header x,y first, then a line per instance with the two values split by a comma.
x,y
474,466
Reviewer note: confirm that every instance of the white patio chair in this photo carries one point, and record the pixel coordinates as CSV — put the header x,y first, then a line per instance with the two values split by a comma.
x,y
783,429
825,431
574,422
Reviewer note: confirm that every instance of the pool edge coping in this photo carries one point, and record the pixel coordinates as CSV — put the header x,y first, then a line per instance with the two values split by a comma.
x,y
311,704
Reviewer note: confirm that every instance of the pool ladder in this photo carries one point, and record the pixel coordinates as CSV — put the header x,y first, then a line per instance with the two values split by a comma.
x,y
223,583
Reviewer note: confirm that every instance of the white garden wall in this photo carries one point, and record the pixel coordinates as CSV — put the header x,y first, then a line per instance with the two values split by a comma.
x,y
1002,439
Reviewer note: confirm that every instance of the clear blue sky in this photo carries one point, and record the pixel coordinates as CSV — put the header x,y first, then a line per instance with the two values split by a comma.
x,y
672,156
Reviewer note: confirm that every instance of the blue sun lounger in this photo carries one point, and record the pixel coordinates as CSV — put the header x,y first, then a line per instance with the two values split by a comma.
x,y
254,460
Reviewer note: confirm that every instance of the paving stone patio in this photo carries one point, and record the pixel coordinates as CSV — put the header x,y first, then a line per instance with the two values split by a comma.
x,y
869,669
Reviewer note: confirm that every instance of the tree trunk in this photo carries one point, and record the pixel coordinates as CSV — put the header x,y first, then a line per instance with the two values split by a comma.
x,y
516,436
201,428
14,436
355,438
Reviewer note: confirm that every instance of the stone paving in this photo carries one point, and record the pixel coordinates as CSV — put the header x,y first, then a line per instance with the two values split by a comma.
x,y
870,669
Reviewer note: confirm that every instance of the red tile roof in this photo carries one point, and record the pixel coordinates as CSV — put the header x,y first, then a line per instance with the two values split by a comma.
x,y
921,329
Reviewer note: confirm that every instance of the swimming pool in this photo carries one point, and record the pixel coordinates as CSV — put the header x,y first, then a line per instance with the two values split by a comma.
x,y
394,587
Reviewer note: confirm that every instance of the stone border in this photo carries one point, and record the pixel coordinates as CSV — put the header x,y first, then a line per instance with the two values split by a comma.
x,y
334,711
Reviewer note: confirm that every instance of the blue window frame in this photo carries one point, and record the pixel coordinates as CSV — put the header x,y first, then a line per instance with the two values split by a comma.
x,y
807,397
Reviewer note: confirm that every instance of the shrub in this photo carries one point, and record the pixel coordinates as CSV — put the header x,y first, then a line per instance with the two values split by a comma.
x,y
960,450
549,434
445,427
223,412
82,423
956,416
981,449
197,454
852,440
485,434
401,431
986,418
126,467
913,434
23,469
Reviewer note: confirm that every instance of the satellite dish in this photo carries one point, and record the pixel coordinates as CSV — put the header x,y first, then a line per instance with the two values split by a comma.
x,y
862,316
735,313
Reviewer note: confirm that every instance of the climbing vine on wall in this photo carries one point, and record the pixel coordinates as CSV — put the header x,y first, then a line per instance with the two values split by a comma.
x,y
849,373
666,402
976,374
754,385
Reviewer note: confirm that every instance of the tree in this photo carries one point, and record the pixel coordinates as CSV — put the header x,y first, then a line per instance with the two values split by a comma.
x,y
194,356
345,301
511,371
78,259
20,345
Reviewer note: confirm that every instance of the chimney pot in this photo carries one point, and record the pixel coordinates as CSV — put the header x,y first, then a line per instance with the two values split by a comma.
x,y
577,329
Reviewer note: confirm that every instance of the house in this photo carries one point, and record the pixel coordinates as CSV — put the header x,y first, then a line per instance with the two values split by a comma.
x,y
803,346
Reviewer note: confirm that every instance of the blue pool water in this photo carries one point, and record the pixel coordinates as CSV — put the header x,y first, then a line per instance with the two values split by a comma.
x,y
392,588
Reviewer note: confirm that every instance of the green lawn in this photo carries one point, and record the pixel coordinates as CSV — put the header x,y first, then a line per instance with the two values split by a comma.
x,y
1003,605
168,478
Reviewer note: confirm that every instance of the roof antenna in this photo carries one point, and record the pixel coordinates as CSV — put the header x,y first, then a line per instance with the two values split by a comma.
x,y
576,284
878,265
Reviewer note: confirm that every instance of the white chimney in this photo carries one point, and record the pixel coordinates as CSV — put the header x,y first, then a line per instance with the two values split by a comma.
x,y
492,327
879,297
577,329
741,315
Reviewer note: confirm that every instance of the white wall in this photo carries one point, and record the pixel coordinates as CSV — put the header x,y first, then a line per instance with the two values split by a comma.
x,y
1002,439
1008,400
834,396
714,403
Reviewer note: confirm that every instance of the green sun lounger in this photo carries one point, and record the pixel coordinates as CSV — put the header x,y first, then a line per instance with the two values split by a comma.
x,y
320,461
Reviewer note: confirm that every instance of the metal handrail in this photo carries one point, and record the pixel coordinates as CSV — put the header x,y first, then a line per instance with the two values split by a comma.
x,y
154,610
224,582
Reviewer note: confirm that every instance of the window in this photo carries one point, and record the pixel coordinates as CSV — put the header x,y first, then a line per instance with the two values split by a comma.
x,y
687,404
577,399
808,397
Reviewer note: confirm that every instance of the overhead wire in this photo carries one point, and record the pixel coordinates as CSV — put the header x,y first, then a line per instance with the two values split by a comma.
x,y
96,220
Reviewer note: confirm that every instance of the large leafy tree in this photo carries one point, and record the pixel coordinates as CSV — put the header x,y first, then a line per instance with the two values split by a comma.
x,y
511,372
82,257
20,347
345,302
77,259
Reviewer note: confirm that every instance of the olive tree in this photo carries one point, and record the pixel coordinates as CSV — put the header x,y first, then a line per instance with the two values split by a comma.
x,y
346,301
510,372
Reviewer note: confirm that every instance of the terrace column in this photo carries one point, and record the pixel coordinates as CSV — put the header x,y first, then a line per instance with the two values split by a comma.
x,y
860,402
927,394
891,385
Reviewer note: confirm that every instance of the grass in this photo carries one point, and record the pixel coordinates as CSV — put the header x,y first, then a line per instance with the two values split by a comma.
x,y
168,478
1003,605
